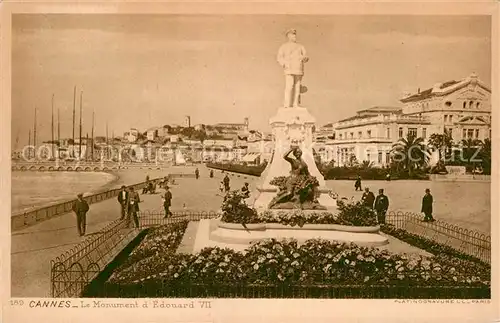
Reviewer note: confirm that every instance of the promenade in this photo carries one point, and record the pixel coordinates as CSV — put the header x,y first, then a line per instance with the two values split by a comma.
x,y
34,247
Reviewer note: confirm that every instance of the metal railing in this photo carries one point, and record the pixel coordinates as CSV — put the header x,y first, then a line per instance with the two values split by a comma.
x,y
25,219
467,241
72,271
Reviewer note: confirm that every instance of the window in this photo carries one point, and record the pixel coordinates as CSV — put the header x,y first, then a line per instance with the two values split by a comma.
x,y
387,158
360,134
450,118
450,131
412,132
477,133
470,133
465,105
340,136
380,157
388,133
400,133
369,133
477,105
464,133
445,118
368,156
470,104
448,103
424,132
352,135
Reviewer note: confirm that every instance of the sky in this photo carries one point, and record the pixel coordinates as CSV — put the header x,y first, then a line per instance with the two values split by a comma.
x,y
150,70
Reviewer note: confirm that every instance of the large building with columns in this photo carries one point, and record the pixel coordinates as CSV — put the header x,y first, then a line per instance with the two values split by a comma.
x,y
461,107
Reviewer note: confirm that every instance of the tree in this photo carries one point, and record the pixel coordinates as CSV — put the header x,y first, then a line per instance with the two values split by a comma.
x,y
410,153
366,164
470,148
485,155
442,142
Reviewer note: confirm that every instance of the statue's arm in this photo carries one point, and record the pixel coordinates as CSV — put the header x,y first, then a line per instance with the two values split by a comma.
x,y
280,57
304,55
285,156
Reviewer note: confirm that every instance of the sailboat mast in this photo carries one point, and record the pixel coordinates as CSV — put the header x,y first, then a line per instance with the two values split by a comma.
x,y
34,131
29,143
92,134
58,132
107,148
74,107
52,128
80,143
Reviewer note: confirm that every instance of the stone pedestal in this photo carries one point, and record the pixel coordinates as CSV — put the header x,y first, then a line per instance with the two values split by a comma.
x,y
291,126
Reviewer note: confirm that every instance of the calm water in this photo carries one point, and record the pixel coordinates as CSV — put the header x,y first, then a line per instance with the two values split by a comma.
x,y
34,189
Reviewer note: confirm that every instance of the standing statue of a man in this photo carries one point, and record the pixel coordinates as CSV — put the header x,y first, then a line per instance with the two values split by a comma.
x,y
292,56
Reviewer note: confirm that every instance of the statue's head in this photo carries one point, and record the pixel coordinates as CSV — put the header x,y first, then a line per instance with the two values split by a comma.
x,y
291,34
297,153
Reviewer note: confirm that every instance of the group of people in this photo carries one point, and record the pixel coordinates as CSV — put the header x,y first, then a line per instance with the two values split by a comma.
x,y
381,204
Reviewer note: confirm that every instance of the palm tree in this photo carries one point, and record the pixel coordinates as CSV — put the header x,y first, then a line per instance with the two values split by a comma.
x,y
410,151
442,142
469,148
485,155
366,164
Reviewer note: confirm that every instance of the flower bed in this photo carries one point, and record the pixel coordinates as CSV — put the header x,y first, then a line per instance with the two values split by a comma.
x,y
444,253
282,263
235,210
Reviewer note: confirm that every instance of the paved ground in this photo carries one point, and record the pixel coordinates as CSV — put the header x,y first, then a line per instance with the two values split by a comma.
x,y
466,204
34,247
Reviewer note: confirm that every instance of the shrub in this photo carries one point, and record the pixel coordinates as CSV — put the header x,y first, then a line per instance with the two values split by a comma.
x,y
235,209
356,214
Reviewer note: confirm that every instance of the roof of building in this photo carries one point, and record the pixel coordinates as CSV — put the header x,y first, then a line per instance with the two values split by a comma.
x,y
443,88
381,109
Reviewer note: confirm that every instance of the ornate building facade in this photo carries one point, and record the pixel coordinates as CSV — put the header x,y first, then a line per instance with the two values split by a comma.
x,y
462,107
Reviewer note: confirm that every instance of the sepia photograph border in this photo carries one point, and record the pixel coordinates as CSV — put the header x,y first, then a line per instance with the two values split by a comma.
x,y
255,310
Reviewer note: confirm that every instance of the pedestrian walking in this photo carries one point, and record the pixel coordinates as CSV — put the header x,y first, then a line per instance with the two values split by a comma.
x,y
427,201
197,173
226,183
357,184
122,199
211,173
167,201
245,190
133,207
368,198
381,206
81,207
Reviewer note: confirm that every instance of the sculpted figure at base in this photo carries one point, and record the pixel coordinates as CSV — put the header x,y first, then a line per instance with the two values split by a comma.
x,y
292,56
300,189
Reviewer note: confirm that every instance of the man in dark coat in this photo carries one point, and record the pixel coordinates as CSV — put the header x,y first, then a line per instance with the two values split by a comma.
x,y
81,207
211,173
357,184
381,206
368,198
427,206
197,173
133,207
226,183
167,201
122,199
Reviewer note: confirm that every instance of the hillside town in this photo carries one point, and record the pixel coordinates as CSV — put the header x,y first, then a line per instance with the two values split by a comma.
x,y
458,110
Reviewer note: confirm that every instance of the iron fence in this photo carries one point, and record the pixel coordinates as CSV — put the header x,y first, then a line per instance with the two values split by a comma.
x,y
467,241
72,271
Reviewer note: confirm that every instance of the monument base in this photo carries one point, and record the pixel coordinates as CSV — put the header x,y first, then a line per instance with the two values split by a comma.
x,y
213,233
